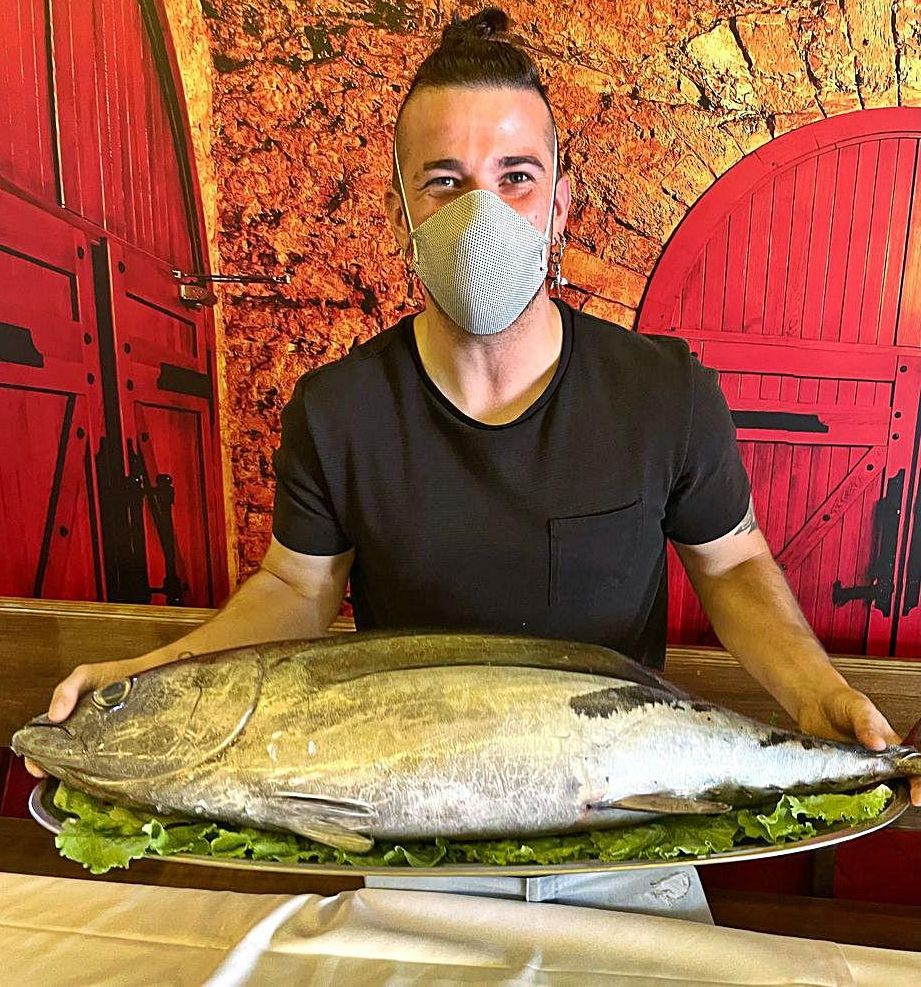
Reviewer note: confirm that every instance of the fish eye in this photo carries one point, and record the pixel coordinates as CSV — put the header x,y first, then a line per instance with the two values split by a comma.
x,y
113,694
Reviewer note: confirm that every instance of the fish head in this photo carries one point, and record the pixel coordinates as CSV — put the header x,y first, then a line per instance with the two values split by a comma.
x,y
139,730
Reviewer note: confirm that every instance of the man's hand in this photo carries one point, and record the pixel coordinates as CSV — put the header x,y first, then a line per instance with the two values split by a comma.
x,y
846,714
758,620
83,679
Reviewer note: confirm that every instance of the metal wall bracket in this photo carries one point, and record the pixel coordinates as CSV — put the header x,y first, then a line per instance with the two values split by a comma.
x,y
195,290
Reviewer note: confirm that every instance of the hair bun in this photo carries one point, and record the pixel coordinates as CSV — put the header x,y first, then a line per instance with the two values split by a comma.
x,y
484,26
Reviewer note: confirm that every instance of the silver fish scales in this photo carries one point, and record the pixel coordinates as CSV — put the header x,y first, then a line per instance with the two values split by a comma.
x,y
415,736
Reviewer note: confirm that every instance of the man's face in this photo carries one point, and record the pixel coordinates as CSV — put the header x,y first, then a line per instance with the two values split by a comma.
x,y
455,140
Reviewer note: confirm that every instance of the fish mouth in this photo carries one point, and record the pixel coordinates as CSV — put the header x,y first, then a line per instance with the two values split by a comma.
x,y
51,745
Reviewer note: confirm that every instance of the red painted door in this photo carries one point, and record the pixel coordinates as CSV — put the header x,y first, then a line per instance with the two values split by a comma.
x,y
50,407
164,377
798,277
110,484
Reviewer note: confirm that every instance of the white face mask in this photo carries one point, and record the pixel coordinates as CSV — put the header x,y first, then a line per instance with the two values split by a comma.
x,y
479,259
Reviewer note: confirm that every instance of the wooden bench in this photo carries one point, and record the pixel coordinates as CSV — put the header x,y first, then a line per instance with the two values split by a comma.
x,y
43,640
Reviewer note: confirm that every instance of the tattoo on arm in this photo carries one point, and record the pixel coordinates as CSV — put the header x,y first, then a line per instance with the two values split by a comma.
x,y
748,523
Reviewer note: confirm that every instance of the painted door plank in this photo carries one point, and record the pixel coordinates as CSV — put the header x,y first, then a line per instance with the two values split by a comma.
x,y
906,422
842,498
896,243
26,147
778,240
854,242
736,274
845,193
692,293
854,394
908,332
79,111
803,358
804,199
820,233
74,561
755,287
769,393
879,237
810,424
714,286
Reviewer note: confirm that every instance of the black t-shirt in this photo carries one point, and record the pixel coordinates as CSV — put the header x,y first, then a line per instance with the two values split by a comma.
x,y
552,525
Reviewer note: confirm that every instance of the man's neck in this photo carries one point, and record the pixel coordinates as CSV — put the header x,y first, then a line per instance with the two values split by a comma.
x,y
492,379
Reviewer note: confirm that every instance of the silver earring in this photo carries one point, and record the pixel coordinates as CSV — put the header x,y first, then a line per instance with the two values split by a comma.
x,y
557,249
411,275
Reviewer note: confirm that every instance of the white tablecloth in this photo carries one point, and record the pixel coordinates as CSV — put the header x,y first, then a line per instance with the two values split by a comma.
x,y
55,931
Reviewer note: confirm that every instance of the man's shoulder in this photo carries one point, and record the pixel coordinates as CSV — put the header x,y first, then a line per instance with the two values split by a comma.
x,y
365,367
605,340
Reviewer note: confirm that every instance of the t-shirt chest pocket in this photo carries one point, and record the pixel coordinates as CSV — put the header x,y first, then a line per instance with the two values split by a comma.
x,y
592,553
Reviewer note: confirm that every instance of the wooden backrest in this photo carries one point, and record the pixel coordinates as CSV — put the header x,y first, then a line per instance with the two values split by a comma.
x,y
43,640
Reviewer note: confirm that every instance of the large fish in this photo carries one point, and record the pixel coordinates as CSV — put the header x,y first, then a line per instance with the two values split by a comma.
x,y
416,736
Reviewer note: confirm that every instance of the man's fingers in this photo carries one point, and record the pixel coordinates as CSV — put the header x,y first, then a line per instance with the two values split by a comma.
x,y
871,728
915,789
66,694
35,769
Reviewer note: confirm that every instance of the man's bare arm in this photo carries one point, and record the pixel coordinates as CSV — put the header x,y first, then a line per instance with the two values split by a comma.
x,y
291,595
756,616
758,620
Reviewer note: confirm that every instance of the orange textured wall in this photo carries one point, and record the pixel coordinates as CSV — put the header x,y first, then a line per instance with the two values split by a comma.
x,y
655,100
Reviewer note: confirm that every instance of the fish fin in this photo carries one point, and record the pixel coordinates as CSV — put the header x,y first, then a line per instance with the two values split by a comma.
x,y
327,819
665,803
332,805
332,834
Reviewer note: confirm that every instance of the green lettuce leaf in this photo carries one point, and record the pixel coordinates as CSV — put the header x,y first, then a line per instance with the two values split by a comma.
x,y
634,843
842,808
423,854
181,838
318,853
101,835
694,836
98,851
95,812
779,826
273,846
231,844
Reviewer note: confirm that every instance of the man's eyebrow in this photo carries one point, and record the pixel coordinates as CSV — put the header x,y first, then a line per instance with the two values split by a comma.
x,y
448,164
520,159
510,161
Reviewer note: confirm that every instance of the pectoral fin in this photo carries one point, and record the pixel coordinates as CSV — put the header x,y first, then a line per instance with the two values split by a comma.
x,y
337,822
666,804
332,834
356,808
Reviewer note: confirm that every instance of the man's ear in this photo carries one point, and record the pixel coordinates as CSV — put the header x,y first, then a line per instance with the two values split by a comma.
x,y
394,208
562,200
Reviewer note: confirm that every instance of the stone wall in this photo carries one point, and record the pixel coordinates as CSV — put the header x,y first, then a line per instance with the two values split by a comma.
x,y
655,100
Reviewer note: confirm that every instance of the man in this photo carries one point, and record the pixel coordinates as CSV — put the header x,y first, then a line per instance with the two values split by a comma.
x,y
499,461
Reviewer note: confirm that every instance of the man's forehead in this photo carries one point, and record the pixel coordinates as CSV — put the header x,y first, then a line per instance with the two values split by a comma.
x,y
454,122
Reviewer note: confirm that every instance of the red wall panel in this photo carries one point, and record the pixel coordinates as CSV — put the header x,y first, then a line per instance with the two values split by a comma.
x,y
795,277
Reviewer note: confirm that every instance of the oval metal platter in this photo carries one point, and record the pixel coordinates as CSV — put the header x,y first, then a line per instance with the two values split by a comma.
x,y
46,814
